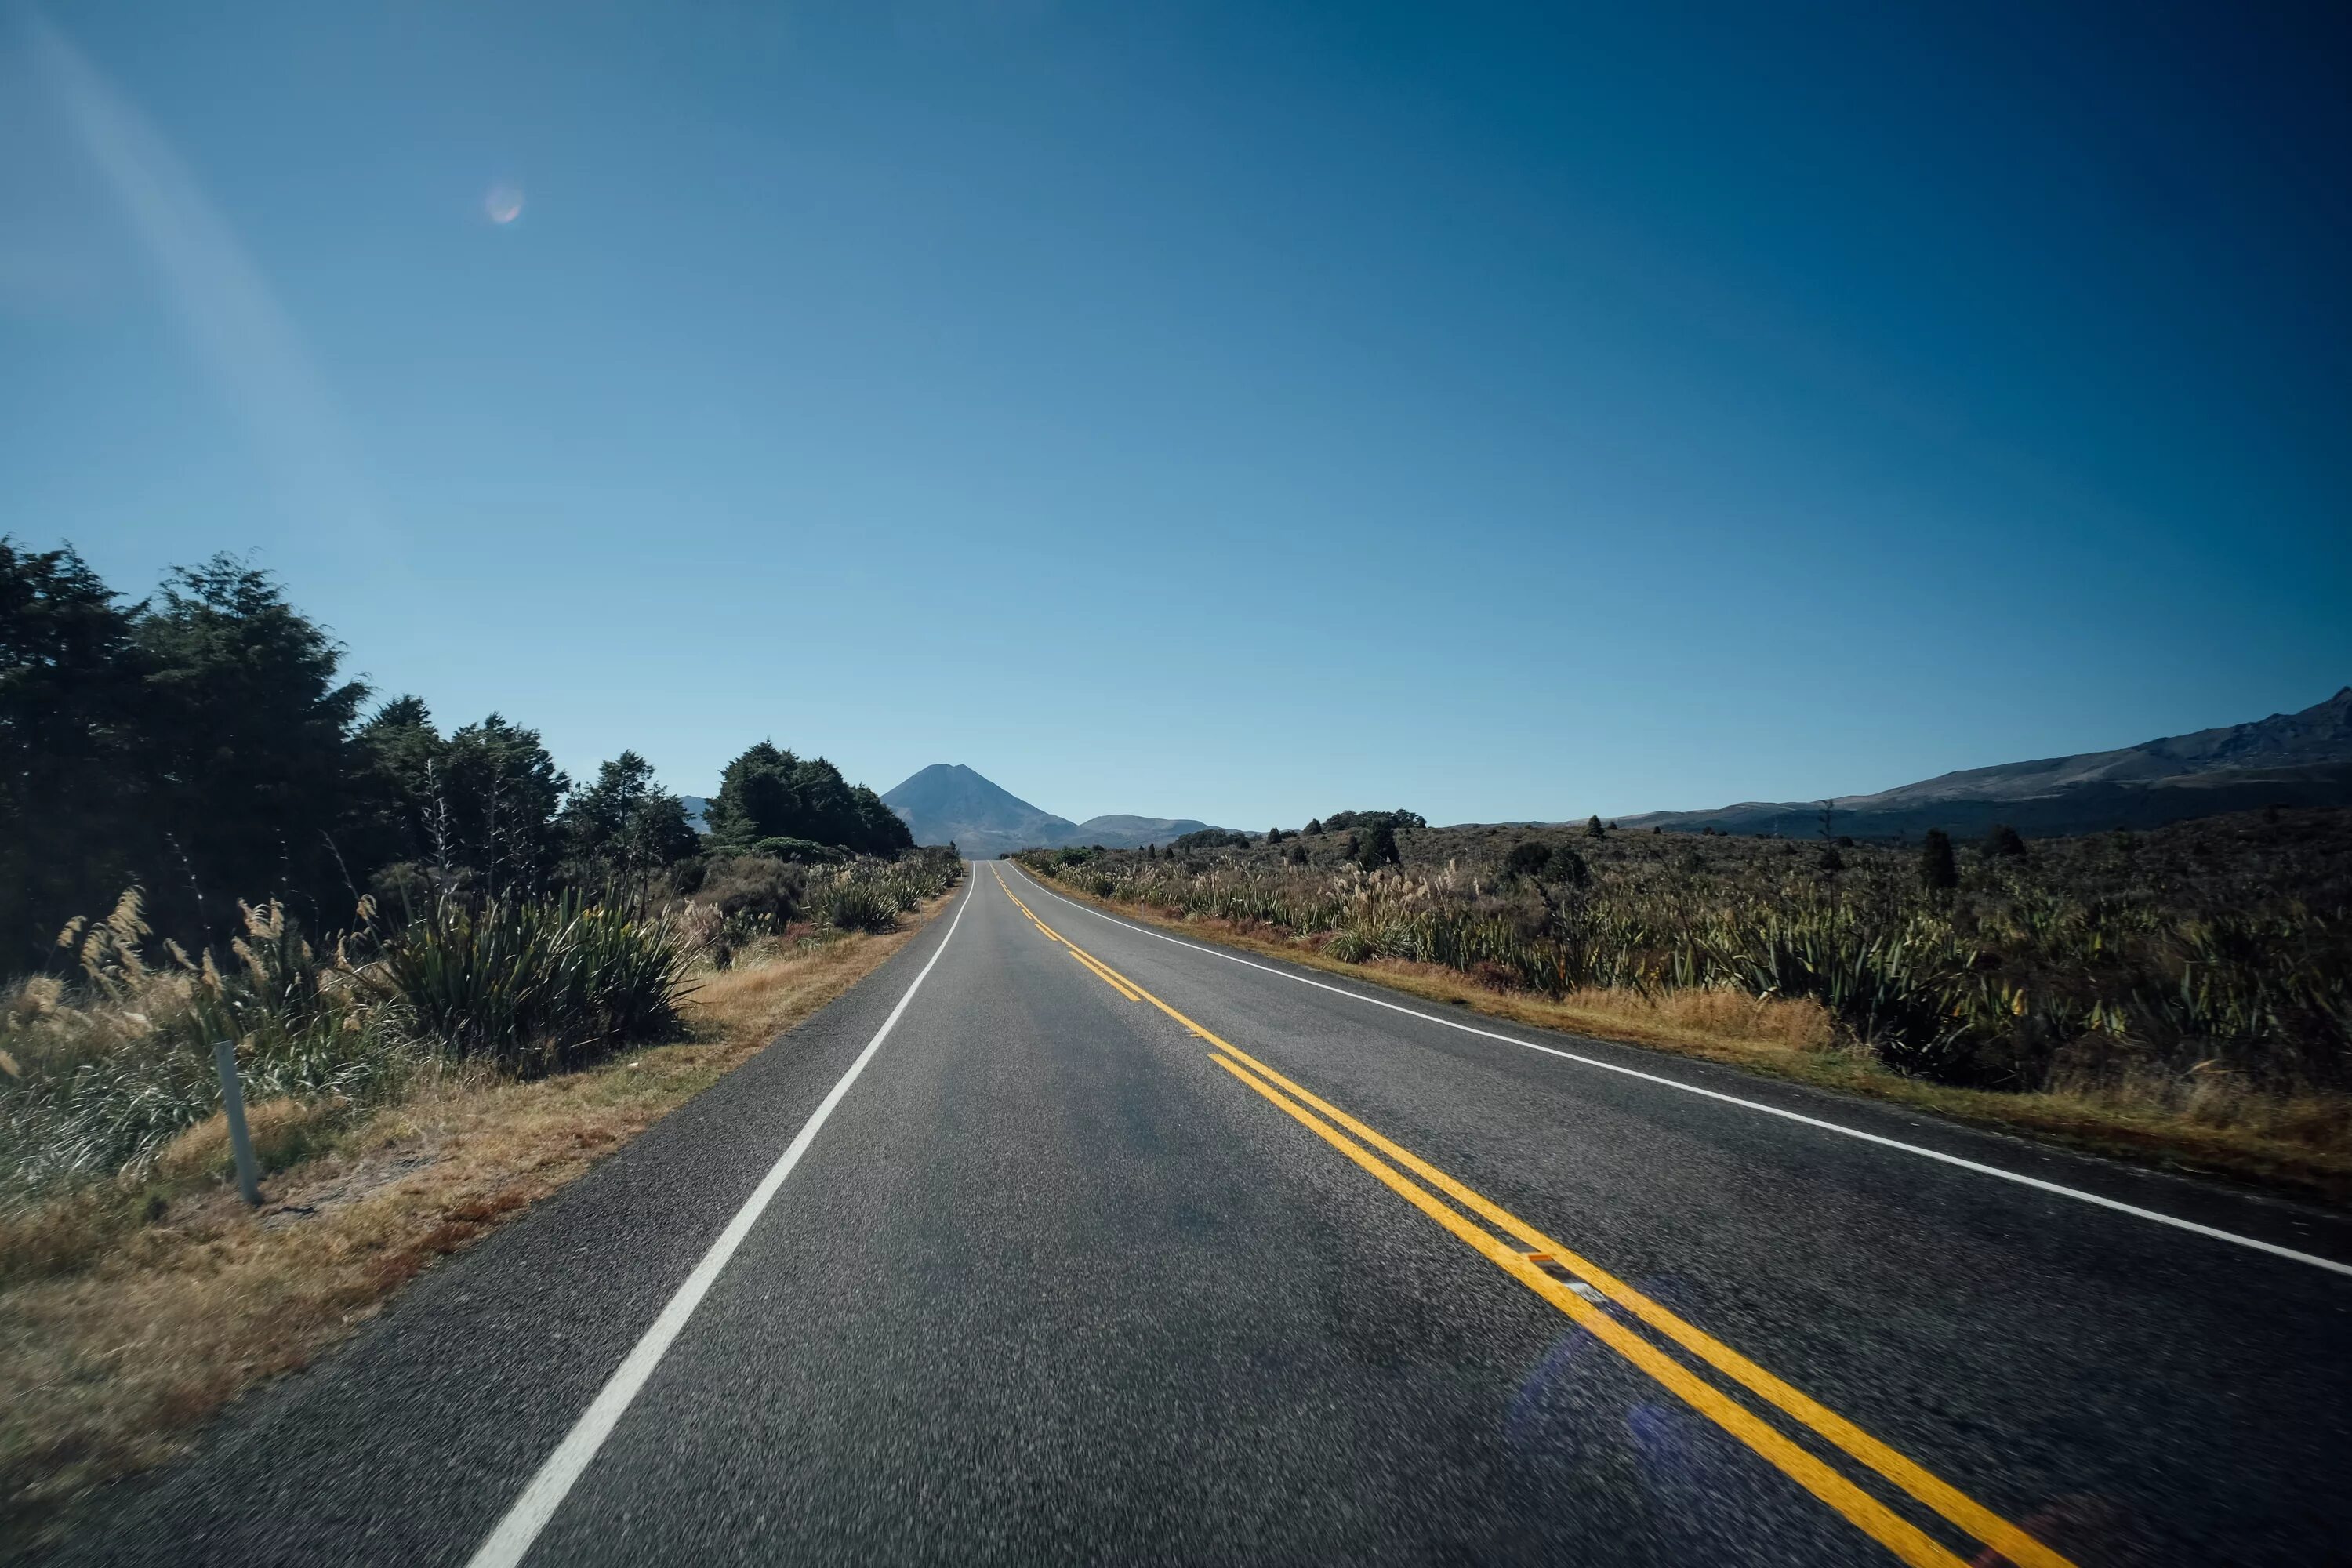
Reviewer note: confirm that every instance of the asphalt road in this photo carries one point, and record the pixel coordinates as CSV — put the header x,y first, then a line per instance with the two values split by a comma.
x,y
1141,1253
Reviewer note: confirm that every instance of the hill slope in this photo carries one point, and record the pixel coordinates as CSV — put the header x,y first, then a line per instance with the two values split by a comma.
x,y
949,804
2287,759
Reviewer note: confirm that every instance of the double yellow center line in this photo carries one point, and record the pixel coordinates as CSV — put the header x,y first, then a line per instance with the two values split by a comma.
x,y
1525,1252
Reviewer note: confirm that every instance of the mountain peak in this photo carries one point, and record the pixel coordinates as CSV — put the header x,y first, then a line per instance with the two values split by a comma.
x,y
949,802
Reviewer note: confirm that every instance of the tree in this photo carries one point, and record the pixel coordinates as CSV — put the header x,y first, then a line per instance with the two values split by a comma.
x,y
1592,828
397,813
1378,848
1938,871
499,793
1357,821
71,783
624,819
248,738
756,798
1299,854
886,832
767,793
2003,842
1567,867
1273,836
1314,825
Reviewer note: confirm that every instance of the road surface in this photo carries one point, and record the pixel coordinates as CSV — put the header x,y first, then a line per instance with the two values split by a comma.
x,y
1060,1240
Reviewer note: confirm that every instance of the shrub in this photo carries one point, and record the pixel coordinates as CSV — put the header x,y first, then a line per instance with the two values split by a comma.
x,y
802,851
100,1076
1364,819
754,896
2004,843
1592,828
1212,838
2208,952
1378,848
1527,860
535,985
869,894
852,904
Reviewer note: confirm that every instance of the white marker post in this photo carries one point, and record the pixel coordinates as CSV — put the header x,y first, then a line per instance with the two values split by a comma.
x,y
240,1141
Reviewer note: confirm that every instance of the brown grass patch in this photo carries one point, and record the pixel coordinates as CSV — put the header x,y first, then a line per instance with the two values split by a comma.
x,y
137,1323
2206,1123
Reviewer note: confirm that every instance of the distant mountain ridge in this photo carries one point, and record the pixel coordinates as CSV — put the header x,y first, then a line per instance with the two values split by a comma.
x,y
2287,759
947,802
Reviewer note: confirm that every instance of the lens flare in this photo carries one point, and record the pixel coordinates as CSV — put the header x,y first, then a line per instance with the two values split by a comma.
x,y
503,203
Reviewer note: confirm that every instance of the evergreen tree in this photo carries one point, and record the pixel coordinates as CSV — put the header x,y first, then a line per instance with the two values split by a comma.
x,y
625,820
883,830
1938,871
756,798
2004,842
1593,829
247,739
770,794
500,793
396,811
72,779
1379,846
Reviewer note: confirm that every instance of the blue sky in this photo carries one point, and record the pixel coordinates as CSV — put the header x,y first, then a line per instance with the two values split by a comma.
x,y
1230,411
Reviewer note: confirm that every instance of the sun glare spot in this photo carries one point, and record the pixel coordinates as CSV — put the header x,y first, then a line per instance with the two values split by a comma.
x,y
503,203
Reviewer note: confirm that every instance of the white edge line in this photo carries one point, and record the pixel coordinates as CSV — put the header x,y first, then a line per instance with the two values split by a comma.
x,y
2075,1192
528,1515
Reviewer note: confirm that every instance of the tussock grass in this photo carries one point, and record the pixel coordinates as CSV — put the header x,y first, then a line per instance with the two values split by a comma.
x,y
2204,1119
132,1310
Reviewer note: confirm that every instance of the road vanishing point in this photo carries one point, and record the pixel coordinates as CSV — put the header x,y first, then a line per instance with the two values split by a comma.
x,y
1063,1239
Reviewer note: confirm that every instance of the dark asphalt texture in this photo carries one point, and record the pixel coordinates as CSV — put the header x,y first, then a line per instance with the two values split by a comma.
x,y
1052,1287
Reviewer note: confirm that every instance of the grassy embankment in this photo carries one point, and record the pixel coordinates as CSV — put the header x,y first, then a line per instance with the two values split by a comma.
x,y
2182,997
138,1294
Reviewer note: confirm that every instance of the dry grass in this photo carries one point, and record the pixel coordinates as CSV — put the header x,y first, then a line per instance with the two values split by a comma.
x,y
2208,1122
124,1326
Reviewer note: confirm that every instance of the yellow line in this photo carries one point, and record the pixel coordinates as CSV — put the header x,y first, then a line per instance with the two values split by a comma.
x,y
1105,977
1939,1494
1955,1505
1866,1513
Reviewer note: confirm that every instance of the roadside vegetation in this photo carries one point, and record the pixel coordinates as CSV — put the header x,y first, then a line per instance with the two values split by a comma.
x,y
451,979
2185,993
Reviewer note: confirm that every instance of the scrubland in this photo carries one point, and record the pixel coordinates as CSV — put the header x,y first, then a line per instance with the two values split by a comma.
x,y
2183,994
412,1083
